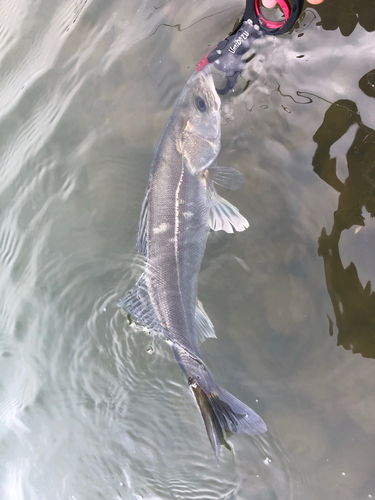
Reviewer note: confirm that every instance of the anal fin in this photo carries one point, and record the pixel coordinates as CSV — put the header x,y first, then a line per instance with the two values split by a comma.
x,y
138,304
205,328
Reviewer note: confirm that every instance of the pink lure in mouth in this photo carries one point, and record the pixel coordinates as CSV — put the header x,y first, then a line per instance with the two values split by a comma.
x,y
202,63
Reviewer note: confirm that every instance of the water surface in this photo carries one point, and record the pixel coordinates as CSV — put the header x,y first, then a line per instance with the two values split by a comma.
x,y
92,407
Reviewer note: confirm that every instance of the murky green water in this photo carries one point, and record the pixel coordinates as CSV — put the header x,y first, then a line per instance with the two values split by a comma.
x,y
94,408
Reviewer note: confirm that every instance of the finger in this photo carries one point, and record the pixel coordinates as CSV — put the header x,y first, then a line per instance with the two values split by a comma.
x,y
269,4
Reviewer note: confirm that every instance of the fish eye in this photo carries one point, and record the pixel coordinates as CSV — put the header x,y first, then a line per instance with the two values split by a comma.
x,y
200,104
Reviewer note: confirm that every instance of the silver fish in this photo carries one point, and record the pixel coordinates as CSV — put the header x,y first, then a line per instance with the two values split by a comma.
x,y
180,206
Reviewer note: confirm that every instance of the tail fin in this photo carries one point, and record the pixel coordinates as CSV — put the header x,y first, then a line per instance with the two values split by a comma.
x,y
223,413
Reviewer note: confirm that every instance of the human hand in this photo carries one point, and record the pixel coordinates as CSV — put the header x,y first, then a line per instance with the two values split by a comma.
x,y
269,4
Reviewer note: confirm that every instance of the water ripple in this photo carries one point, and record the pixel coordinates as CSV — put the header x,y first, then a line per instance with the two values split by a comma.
x,y
37,60
91,405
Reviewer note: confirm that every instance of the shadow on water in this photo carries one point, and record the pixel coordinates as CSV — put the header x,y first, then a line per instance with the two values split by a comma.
x,y
353,303
346,17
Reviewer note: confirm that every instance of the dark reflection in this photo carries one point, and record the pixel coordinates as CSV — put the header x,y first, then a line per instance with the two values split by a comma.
x,y
353,303
367,83
346,14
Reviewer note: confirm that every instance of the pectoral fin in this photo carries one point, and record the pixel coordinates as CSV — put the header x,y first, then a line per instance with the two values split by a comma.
x,y
223,215
227,177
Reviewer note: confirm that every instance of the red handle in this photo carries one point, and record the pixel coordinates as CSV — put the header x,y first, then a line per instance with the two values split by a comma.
x,y
273,24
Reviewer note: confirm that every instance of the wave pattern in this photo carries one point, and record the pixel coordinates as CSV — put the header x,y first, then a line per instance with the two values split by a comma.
x,y
84,396
91,405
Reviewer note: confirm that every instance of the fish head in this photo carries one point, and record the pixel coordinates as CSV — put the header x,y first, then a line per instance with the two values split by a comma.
x,y
199,109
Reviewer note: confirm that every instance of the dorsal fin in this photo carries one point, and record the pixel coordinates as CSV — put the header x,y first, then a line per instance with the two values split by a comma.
x,y
138,303
143,222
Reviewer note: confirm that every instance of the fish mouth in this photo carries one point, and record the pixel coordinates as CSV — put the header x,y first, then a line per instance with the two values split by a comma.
x,y
207,75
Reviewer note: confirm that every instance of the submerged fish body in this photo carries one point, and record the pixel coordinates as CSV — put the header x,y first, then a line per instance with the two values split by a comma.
x,y
179,208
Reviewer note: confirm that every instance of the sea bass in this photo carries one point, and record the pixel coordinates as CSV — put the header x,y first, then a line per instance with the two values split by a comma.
x,y
180,206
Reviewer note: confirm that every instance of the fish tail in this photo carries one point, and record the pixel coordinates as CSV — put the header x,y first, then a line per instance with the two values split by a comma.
x,y
222,413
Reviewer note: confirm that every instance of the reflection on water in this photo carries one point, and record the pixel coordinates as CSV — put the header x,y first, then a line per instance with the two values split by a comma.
x,y
348,16
353,302
367,83
93,408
